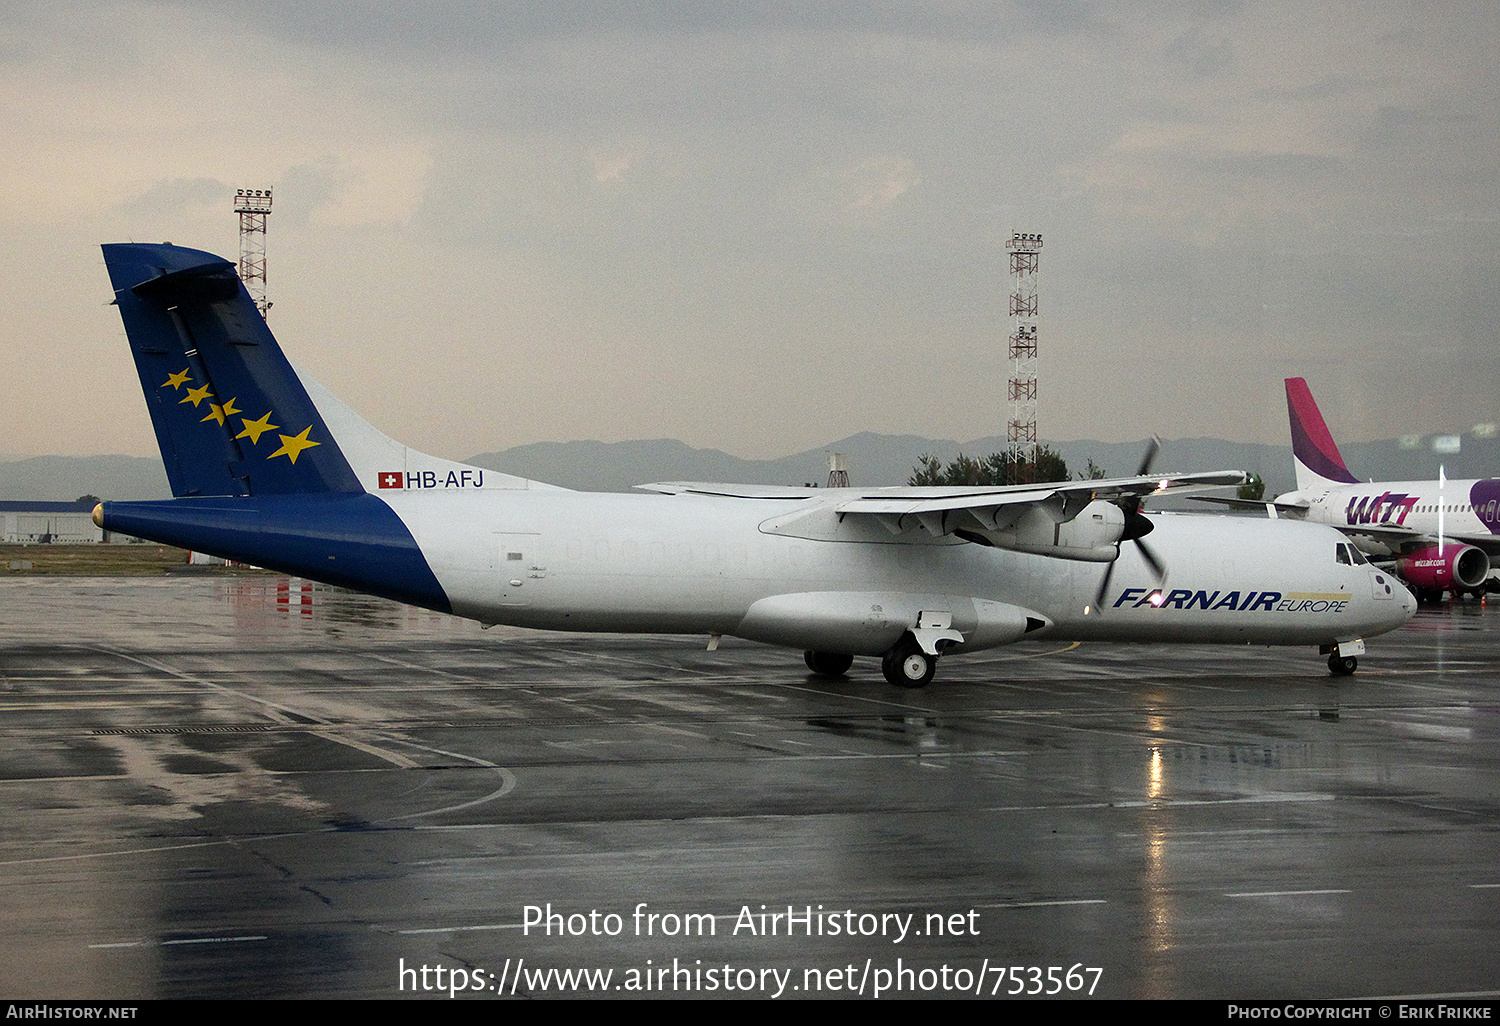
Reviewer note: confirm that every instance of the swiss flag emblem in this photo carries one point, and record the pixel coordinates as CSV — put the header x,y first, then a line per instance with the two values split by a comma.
x,y
391,478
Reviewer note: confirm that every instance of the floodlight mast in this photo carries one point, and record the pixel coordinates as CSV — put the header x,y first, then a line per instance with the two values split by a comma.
x,y
254,207
1025,255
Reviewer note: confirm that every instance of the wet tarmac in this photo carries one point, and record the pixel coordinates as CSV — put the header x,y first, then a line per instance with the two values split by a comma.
x,y
255,787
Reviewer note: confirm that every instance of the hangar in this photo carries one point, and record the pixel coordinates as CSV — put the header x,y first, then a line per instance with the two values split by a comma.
x,y
44,522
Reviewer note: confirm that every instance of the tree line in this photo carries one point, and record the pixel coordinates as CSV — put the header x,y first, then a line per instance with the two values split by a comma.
x,y
1000,468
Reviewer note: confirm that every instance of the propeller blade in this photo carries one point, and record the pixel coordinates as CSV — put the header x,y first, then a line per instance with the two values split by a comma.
x,y
1109,568
1152,448
1153,561
1135,527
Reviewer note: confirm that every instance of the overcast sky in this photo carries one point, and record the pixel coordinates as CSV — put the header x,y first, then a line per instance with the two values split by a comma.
x,y
762,227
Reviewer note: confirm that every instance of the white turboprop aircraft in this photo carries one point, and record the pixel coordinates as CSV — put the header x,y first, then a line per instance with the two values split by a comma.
x,y
270,469
1438,535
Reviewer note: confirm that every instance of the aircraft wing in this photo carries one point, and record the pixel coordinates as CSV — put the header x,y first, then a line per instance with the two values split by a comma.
x,y
990,504
911,501
1488,542
1253,504
1388,534
1406,539
733,491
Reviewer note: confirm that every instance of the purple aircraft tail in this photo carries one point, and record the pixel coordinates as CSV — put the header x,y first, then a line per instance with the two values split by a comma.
x,y
1317,456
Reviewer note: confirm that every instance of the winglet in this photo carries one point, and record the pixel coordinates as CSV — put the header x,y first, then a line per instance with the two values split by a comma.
x,y
1316,453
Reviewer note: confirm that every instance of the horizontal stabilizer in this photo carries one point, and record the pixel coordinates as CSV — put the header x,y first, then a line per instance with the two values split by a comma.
x,y
213,282
351,540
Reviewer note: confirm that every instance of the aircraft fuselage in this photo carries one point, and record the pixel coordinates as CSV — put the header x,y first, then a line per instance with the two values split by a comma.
x,y
1460,507
794,573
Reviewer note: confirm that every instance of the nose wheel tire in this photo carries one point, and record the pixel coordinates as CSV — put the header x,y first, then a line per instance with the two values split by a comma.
x,y
828,664
907,666
1342,666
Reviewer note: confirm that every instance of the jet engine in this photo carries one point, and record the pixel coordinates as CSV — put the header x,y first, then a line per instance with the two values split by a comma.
x,y
1440,568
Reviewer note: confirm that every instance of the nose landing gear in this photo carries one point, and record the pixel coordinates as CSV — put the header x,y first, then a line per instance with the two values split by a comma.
x,y
1341,657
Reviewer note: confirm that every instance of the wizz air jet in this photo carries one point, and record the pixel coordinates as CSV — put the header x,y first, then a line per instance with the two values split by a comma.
x,y
1439,535
268,468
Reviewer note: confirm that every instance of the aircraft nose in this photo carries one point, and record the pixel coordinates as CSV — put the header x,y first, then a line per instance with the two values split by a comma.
x,y
1397,609
1403,609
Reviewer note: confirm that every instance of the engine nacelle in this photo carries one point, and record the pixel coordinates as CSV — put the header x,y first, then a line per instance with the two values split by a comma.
x,y
1438,569
1090,536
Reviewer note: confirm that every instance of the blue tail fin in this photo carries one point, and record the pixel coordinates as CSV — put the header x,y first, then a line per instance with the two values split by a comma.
x,y
257,474
266,468
230,414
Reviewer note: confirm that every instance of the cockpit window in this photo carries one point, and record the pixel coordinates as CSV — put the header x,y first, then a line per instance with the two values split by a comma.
x,y
1349,555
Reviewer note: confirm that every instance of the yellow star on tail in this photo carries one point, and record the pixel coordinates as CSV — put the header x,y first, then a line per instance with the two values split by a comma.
x,y
218,413
291,445
255,428
196,396
179,379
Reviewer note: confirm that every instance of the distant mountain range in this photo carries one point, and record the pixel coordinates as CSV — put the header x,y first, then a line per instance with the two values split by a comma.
x,y
871,459
62,478
889,459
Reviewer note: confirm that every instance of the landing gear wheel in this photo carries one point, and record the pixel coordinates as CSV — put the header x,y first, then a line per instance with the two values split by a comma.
x,y
828,664
907,666
1341,666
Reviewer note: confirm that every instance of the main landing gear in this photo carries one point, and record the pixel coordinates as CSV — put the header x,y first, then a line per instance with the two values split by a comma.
x,y
828,664
907,666
909,663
